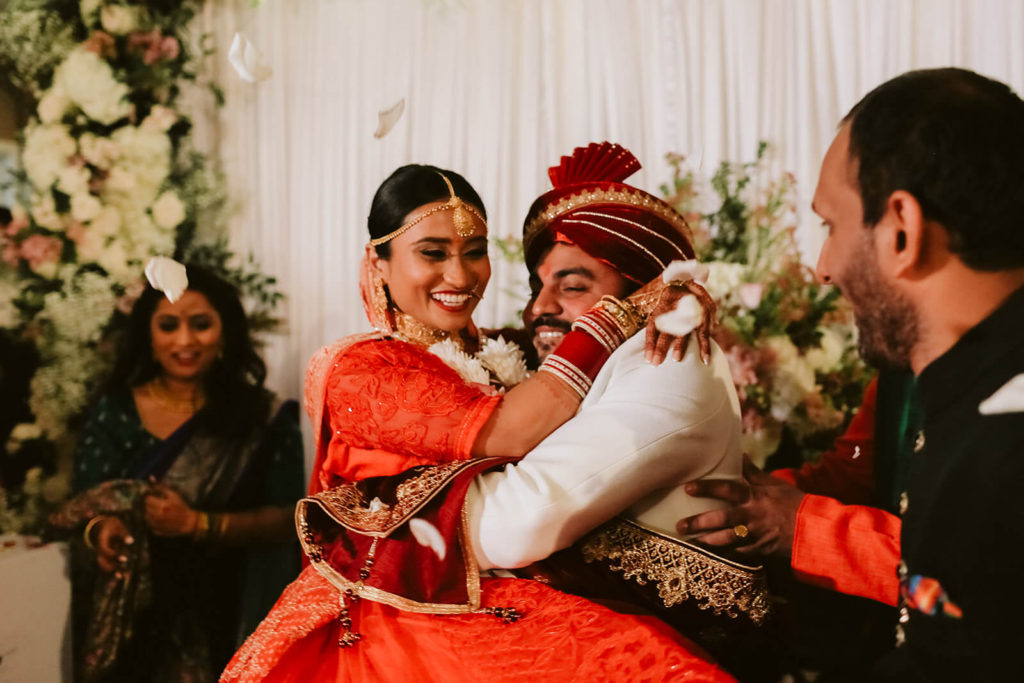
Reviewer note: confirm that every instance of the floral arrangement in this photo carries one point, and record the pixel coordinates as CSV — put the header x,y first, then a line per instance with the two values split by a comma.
x,y
791,342
109,179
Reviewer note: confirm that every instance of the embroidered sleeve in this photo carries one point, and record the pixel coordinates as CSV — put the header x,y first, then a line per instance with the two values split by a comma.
x,y
393,396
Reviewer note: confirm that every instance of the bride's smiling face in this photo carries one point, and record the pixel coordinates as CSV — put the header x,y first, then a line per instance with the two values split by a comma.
x,y
433,274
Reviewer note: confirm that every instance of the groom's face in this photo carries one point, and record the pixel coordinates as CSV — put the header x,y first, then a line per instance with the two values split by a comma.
x,y
566,283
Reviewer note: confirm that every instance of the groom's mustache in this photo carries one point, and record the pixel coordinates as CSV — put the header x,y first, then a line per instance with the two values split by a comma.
x,y
548,320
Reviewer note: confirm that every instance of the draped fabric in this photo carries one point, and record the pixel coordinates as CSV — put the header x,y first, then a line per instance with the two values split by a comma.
x,y
500,90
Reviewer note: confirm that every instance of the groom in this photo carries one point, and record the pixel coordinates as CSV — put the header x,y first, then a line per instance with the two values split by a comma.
x,y
640,432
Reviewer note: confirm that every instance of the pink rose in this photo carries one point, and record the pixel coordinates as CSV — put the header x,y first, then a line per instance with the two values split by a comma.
x,y
10,254
132,291
170,48
40,250
101,43
750,294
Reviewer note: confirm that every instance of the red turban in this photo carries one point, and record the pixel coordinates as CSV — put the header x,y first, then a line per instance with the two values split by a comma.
x,y
630,230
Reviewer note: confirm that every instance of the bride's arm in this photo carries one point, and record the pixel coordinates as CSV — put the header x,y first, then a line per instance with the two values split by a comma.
x,y
535,408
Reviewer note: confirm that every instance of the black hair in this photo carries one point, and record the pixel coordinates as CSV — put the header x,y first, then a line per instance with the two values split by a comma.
x,y
954,140
236,402
408,188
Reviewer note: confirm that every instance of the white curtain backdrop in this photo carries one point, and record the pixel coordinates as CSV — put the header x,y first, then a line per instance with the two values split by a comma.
x,y
500,89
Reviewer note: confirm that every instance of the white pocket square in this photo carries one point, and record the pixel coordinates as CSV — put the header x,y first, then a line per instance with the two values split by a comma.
x,y
1009,399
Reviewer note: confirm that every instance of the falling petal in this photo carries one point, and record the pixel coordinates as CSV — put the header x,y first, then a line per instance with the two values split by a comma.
x,y
1009,399
248,60
376,504
387,119
168,276
684,271
426,534
683,320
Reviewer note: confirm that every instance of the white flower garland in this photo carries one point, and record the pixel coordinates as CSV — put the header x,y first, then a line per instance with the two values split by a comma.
x,y
497,358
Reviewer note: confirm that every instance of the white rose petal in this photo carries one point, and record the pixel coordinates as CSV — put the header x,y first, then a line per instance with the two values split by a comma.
x,y
168,276
72,180
684,271
686,317
750,294
248,60
426,534
168,211
387,118
1008,399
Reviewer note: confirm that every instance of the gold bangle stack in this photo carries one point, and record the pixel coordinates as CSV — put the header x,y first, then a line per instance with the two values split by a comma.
x,y
627,317
202,530
87,532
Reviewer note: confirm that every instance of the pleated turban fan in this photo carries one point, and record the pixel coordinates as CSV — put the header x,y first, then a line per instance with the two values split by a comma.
x,y
630,230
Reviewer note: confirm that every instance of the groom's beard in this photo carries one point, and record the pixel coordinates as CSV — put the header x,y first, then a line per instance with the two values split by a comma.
x,y
547,333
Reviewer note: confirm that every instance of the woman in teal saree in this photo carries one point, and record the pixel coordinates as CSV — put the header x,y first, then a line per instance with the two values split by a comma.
x,y
187,474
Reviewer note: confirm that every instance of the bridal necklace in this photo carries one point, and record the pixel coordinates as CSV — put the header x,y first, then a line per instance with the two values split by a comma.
x,y
164,398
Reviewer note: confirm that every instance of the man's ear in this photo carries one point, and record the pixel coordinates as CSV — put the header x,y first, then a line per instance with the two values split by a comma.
x,y
900,235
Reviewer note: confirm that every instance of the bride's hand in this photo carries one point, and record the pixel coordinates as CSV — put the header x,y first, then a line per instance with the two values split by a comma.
x,y
659,342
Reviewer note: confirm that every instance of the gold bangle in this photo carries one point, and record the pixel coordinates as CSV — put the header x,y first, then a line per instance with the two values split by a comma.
x,y
87,532
625,315
222,526
202,529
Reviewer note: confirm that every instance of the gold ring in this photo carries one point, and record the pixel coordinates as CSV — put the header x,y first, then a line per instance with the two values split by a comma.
x,y
741,530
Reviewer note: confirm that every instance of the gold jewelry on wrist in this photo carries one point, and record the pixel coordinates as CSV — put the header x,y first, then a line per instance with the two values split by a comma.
x,y
87,532
202,530
626,316
645,303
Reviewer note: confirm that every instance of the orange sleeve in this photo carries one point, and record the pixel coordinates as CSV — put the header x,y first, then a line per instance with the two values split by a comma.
x,y
847,471
393,406
847,548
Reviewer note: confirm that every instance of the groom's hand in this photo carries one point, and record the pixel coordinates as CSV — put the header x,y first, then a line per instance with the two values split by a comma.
x,y
760,520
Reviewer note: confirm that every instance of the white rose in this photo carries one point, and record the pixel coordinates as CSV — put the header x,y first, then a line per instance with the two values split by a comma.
x,y
724,280
107,222
85,206
118,19
114,260
100,152
120,180
168,211
829,352
161,118
46,153
89,82
89,9
53,106
44,212
72,180
90,246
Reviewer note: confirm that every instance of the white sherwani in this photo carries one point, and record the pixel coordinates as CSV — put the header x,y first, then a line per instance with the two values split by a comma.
x,y
640,433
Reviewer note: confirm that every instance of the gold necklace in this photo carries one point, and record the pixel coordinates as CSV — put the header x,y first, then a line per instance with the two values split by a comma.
x,y
171,403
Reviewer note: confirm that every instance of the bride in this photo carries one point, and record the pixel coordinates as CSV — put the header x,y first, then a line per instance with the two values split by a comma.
x,y
404,418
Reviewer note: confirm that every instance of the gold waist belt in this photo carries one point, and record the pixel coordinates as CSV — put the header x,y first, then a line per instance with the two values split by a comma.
x,y
680,570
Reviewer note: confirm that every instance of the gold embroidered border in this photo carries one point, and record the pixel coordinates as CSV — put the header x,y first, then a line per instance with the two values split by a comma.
x,y
348,506
639,199
681,570
417,492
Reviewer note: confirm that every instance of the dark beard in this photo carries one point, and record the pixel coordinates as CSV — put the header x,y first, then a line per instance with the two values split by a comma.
x,y
887,328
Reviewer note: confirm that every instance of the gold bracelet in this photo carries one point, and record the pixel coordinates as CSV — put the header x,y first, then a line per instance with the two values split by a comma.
x,y
87,532
222,525
202,530
626,316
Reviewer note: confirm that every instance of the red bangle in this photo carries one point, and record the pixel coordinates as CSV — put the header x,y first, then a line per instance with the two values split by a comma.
x,y
577,360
